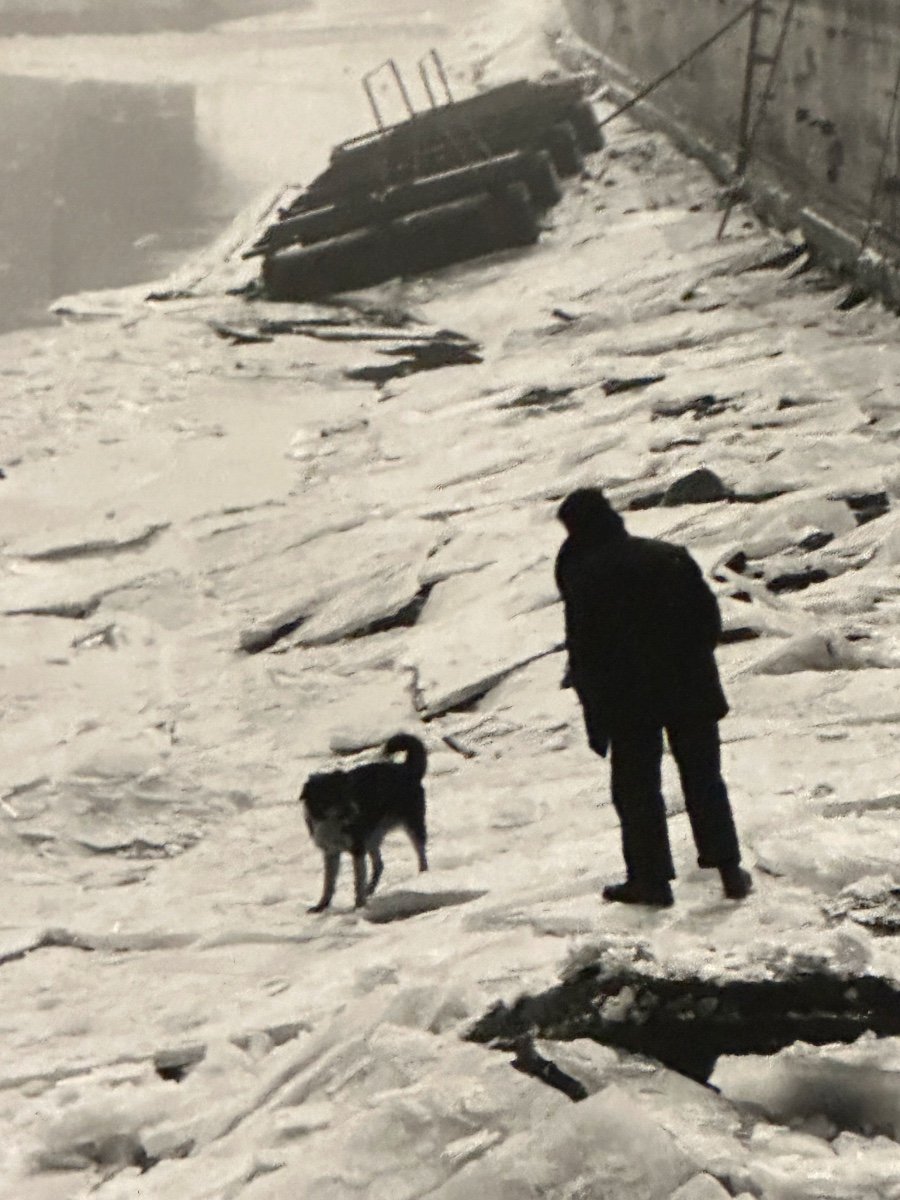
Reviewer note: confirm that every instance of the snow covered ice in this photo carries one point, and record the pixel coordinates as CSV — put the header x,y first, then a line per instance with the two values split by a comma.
x,y
204,600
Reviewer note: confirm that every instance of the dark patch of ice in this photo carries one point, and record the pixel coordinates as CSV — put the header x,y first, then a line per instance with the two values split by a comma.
x,y
401,905
687,1023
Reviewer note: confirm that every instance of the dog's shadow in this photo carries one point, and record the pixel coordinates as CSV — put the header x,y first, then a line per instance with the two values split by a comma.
x,y
400,906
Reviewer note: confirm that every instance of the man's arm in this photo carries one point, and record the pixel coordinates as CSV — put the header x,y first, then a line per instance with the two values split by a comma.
x,y
701,606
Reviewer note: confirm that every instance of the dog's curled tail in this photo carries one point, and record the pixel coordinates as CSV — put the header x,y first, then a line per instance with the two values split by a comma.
x,y
416,755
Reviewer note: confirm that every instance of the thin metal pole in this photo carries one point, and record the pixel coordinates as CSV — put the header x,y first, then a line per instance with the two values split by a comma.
x,y
442,74
432,99
768,91
747,97
879,174
681,64
372,101
402,86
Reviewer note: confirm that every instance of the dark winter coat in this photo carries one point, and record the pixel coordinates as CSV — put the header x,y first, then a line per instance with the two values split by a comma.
x,y
641,624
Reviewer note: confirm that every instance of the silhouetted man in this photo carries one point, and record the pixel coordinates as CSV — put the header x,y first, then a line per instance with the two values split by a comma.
x,y
641,631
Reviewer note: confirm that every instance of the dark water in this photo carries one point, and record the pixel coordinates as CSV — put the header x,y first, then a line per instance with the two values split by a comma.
x,y
101,184
125,16
106,182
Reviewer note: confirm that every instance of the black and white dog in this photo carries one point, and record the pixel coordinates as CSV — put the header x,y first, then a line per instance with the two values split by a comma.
x,y
353,810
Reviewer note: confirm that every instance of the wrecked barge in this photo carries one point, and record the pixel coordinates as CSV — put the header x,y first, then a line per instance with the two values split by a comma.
x,y
455,181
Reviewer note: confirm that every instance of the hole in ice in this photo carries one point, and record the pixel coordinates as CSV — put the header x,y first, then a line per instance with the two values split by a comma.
x,y
868,506
698,406
172,1072
688,1023
797,581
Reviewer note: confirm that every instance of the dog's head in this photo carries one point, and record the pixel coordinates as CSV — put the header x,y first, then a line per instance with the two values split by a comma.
x,y
323,795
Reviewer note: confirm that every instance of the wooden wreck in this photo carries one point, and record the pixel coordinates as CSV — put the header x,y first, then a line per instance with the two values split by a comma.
x,y
462,178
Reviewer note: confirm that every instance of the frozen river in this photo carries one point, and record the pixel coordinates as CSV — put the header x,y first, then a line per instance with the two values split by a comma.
x,y
173,1024
118,155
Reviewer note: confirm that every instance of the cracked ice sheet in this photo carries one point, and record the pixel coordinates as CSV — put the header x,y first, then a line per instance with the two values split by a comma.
x,y
477,627
335,582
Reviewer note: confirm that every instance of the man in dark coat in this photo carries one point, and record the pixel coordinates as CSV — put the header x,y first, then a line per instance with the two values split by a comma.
x,y
641,631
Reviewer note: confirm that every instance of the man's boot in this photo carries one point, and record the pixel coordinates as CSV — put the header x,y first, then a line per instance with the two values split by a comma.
x,y
634,891
736,882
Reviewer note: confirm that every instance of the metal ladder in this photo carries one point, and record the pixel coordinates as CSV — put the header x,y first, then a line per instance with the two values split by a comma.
x,y
755,101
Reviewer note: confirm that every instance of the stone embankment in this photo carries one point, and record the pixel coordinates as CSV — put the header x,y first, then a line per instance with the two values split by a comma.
x,y
823,108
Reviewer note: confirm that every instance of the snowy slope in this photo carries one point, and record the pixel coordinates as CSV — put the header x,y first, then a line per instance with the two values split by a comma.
x,y
172,501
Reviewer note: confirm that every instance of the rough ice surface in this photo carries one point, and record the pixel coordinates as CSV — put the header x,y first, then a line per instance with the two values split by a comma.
x,y
212,599
851,1088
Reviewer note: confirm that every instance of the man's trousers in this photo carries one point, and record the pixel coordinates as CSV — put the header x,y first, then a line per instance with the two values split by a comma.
x,y
636,757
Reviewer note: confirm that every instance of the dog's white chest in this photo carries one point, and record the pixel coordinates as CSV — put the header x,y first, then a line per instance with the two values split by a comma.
x,y
330,833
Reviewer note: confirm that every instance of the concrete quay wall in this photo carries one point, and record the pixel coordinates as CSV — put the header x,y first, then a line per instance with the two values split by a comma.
x,y
827,145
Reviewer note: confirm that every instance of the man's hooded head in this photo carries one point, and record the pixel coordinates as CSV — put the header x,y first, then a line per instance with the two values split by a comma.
x,y
587,514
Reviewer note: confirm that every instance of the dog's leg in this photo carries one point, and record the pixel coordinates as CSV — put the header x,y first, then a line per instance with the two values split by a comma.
x,y
359,878
332,866
377,867
417,837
